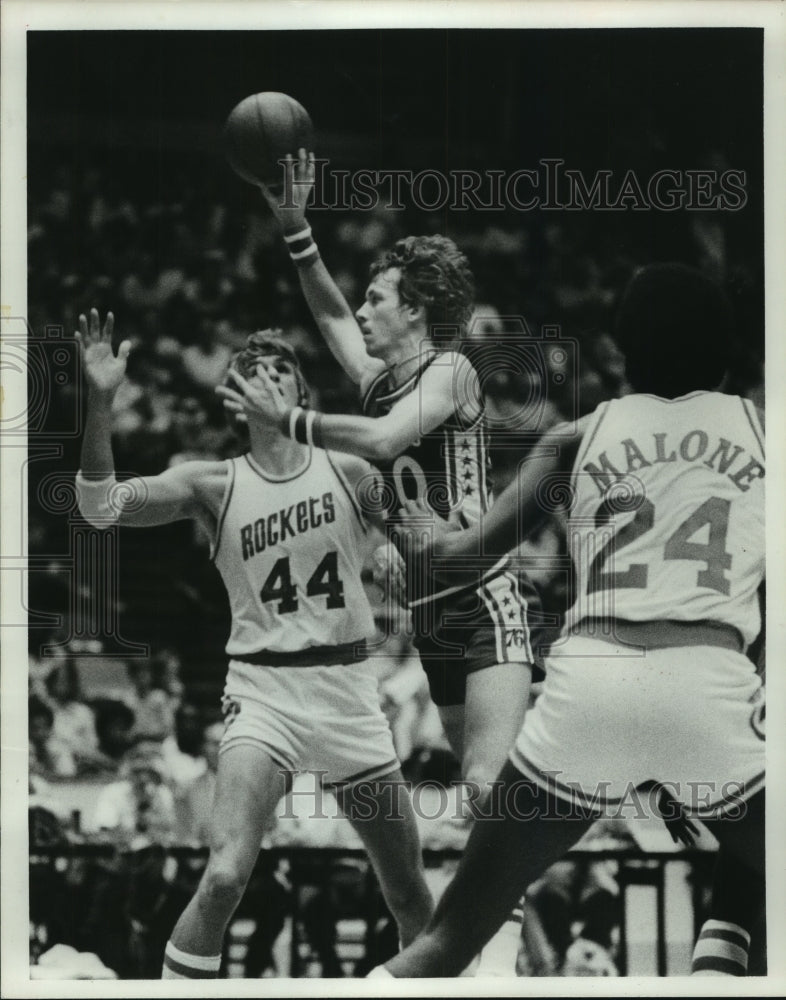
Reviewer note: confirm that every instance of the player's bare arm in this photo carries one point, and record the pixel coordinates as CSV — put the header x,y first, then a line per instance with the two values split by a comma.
x,y
445,388
191,490
330,309
516,512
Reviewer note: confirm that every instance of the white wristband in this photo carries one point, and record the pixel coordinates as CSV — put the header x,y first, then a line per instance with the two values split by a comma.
x,y
308,252
293,415
302,235
310,418
94,500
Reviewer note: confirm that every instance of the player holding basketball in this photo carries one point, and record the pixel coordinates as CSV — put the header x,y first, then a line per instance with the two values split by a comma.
x,y
650,681
287,537
423,427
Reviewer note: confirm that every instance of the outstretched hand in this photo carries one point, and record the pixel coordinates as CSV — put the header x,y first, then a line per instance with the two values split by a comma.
x,y
427,543
289,199
388,573
673,813
418,534
104,370
263,400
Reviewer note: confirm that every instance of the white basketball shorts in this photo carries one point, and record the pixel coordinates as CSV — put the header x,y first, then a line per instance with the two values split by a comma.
x,y
611,718
319,719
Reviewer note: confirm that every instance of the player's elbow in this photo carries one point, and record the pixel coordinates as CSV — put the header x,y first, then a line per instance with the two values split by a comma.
x,y
382,448
385,439
104,503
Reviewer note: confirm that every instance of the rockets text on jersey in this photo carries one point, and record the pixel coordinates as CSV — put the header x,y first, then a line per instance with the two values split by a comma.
x,y
290,552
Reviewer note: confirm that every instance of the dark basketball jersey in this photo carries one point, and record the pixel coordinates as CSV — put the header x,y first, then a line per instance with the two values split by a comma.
x,y
448,467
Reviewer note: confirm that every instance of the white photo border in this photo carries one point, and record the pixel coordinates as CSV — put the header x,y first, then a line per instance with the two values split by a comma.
x,y
20,16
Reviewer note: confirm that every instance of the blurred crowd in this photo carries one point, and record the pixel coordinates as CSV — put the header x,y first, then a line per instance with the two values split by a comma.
x,y
189,276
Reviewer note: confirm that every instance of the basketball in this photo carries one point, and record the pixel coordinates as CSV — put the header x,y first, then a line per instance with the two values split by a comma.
x,y
261,130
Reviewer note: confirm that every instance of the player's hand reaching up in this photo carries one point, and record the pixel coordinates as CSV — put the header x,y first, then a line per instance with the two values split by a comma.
x,y
104,370
260,399
288,201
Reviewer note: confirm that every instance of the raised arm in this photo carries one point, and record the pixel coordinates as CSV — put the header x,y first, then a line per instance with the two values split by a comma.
x,y
104,372
141,501
330,309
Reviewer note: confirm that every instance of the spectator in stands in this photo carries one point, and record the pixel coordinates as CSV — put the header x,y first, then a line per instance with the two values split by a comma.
x,y
206,360
166,674
148,287
195,803
585,957
403,692
74,724
132,899
140,802
184,753
193,436
49,758
578,904
114,726
152,707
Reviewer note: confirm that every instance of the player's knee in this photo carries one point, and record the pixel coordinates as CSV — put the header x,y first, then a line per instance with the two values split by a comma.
x,y
224,882
480,772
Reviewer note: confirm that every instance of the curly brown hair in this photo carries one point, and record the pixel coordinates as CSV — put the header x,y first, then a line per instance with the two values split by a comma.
x,y
434,274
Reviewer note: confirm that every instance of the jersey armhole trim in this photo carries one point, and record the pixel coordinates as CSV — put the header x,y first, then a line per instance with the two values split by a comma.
x,y
753,420
457,423
340,475
228,490
371,386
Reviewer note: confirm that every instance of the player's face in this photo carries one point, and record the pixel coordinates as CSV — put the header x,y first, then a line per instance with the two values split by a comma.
x,y
383,318
282,373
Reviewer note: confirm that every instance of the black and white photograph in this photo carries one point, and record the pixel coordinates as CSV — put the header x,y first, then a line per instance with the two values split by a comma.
x,y
386,515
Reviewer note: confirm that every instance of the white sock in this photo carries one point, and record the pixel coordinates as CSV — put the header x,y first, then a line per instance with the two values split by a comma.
x,y
721,950
379,972
180,965
499,956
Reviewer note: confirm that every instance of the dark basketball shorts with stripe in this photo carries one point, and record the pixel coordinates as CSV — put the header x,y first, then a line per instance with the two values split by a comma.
x,y
474,629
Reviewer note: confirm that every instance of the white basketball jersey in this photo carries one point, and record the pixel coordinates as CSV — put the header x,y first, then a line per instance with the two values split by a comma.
x,y
668,514
290,551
